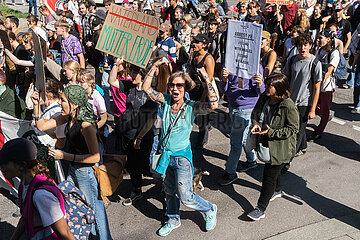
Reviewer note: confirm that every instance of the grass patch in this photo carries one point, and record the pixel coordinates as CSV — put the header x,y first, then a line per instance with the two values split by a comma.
x,y
6,11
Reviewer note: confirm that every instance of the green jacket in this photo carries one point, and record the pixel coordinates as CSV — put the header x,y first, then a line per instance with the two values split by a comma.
x,y
284,125
11,104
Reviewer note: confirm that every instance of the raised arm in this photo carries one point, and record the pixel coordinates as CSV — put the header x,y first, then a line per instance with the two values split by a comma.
x,y
40,122
17,61
203,108
154,95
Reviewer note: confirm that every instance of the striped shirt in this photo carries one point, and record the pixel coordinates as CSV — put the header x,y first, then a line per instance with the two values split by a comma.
x,y
169,47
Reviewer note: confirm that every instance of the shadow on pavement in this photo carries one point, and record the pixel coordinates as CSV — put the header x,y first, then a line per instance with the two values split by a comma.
x,y
342,111
339,145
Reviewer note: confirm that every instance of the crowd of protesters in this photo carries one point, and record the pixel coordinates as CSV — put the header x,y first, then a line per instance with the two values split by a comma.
x,y
308,48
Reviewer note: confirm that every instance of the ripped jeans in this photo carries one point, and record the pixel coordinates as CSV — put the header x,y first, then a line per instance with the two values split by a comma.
x,y
179,187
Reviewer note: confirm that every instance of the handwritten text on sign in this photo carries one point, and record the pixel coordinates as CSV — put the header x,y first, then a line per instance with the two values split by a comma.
x,y
130,34
245,40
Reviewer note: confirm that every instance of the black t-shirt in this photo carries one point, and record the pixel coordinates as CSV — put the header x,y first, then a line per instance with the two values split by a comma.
x,y
55,43
21,53
139,109
344,27
315,23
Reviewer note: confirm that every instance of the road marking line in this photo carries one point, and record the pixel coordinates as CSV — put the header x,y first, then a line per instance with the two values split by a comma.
x,y
338,121
356,128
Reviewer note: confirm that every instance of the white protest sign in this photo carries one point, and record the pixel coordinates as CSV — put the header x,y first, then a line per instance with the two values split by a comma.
x,y
243,47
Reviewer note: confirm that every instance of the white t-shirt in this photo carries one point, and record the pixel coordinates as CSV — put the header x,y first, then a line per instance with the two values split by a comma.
x,y
147,4
98,103
48,211
329,83
54,110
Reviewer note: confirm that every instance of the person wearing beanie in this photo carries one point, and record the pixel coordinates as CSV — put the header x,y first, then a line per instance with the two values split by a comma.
x,y
81,135
49,214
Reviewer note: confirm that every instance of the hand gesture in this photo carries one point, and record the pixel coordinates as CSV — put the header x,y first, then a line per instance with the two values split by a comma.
x,y
57,154
255,129
225,74
137,143
258,79
160,61
35,98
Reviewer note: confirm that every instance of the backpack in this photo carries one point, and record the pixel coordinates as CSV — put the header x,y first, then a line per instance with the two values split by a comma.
x,y
341,70
80,216
313,67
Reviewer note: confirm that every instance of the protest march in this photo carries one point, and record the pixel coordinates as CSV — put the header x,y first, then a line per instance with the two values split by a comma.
x,y
95,92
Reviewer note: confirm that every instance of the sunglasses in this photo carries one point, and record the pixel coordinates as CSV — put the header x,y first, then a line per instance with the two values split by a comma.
x,y
178,85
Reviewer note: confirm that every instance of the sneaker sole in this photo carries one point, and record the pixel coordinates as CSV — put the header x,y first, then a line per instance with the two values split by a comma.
x,y
256,219
170,231
215,219
246,169
275,197
228,183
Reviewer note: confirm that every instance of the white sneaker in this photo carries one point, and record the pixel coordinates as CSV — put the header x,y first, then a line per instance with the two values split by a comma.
x,y
356,110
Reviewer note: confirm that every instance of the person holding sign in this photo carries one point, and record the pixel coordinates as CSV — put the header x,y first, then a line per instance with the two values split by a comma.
x,y
242,94
176,159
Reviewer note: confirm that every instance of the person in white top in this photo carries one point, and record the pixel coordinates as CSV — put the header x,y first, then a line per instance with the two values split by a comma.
x,y
329,56
53,109
289,46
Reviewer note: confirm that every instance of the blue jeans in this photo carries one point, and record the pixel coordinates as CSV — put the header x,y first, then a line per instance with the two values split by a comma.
x,y
106,87
179,187
351,78
32,4
357,86
239,132
84,179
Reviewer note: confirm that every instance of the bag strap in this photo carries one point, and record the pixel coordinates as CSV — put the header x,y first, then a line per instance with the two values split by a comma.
x,y
173,125
67,53
262,114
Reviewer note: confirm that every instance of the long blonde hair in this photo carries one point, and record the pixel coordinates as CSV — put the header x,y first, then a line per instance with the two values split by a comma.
x,y
302,20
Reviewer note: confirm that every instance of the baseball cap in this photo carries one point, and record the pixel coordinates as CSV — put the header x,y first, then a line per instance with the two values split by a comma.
x,y
126,1
338,6
96,21
10,151
51,26
266,35
327,33
164,27
100,14
201,37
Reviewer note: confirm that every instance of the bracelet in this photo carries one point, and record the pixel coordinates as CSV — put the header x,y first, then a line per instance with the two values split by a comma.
x,y
74,158
36,117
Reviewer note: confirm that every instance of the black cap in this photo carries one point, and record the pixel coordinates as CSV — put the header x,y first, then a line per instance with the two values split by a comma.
x,y
96,21
18,150
100,14
201,37
327,33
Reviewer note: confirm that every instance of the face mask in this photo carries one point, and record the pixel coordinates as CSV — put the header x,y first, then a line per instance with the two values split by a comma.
x,y
2,87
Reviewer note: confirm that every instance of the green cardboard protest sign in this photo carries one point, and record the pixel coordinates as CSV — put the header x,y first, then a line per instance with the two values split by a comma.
x,y
129,34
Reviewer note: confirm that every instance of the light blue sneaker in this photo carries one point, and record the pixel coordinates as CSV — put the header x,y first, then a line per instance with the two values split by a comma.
x,y
211,219
167,228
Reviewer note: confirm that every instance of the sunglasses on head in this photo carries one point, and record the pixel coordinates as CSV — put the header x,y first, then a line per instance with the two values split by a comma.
x,y
178,85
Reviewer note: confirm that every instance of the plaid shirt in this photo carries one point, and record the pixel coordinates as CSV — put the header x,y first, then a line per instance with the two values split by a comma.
x,y
86,31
